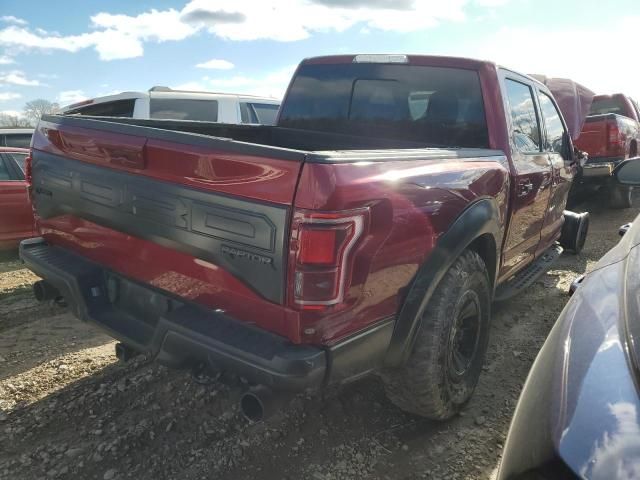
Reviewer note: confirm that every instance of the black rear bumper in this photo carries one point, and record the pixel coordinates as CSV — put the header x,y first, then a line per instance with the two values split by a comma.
x,y
177,334
180,334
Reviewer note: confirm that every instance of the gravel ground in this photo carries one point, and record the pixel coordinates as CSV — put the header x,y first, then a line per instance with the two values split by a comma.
x,y
69,409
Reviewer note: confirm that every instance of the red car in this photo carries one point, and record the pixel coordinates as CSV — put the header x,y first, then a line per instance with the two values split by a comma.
x,y
16,217
368,231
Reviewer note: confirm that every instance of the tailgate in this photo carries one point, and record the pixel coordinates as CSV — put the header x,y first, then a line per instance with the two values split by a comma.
x,y
594,136
150,202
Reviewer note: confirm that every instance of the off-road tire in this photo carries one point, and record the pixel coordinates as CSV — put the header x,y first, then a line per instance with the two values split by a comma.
x,y
424,385
620,196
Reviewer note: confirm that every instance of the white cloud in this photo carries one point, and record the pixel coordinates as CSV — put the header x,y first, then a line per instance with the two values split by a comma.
x,y
568,53
116,36
68,97
12,19
216,64
6,96
272,84
17,77
291,20
6,60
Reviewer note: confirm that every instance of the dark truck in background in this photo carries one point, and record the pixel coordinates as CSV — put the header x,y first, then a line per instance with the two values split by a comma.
x,y
370,230
610,135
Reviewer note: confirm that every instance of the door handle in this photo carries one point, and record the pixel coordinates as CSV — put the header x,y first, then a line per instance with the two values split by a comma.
x,y
525,188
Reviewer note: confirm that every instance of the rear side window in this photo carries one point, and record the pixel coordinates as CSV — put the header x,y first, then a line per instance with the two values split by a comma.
x,y
264,113
436,106
184,109
118,108
21,140
524,120
552,123
602,106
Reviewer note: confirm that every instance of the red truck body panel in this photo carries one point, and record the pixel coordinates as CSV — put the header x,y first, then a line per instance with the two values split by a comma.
x,y
16,216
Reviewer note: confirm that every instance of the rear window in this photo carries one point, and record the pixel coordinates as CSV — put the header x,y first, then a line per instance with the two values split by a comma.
x,y
118,108
601,106
184,109
20,140
431,105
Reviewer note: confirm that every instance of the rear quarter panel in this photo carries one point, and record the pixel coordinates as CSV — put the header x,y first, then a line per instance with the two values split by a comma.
x,y
411,204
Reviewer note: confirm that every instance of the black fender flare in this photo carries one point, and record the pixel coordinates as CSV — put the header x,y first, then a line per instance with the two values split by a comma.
x,y
479,218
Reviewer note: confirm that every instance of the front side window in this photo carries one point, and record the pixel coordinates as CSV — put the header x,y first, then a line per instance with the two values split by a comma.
x,y
526,130
19,158
184,109
433,106
263,113
552,123
266,113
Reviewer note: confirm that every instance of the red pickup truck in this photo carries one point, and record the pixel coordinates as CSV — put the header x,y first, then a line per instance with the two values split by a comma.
x,y
611,134
369,230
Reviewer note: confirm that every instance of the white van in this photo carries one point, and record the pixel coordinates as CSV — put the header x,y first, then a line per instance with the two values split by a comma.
x,y
166,103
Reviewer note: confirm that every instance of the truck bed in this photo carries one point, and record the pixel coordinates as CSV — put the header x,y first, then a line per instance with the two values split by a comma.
x,y
291,144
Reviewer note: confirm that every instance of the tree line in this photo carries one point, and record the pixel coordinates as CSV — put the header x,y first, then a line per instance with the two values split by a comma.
x,y
31,113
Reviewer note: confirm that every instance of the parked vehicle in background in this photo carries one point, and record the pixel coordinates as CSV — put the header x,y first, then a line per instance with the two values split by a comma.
x,y
166,103
610,135
577,416
369,231
15,137
16,216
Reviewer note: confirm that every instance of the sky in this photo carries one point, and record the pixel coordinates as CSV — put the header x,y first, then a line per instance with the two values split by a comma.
x,y
70,50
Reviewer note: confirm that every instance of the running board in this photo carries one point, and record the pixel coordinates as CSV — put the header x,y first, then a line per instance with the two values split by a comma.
x,y
528,275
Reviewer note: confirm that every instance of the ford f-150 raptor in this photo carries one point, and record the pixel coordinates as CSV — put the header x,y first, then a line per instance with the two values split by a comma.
x,y
369,230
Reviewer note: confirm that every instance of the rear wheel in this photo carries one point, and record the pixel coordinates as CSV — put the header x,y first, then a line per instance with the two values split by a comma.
x,y
620,196
446,361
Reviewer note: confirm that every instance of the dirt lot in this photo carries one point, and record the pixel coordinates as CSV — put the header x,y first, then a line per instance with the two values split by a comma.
x,y
68,409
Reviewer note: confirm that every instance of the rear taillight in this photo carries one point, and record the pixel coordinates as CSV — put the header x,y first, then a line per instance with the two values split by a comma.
x,y
614,138
322,248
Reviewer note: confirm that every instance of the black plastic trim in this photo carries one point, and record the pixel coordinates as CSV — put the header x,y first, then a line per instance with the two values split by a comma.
x,y
362,353
246,238
481,217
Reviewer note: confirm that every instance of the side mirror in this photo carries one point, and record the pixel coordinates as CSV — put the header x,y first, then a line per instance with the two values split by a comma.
x,y
628,172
